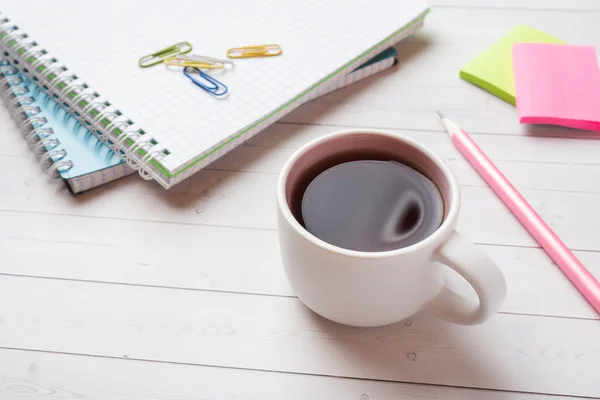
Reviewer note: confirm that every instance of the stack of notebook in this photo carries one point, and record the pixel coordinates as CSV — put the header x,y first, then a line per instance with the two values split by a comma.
x,y
94,116
69,150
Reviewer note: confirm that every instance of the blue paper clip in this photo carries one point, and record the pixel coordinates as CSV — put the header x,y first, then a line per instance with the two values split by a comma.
x,y
205,81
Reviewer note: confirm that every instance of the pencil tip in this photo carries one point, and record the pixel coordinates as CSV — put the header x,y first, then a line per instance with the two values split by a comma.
x,y
440,114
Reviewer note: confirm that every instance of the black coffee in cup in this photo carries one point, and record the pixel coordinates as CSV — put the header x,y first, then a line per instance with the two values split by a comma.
x,y
367,201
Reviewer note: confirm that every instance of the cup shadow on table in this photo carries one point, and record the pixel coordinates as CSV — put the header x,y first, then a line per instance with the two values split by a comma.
x,y
216,176
420,349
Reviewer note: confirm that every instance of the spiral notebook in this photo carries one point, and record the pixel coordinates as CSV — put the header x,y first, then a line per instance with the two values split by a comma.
x,y
69,151
66,149
159,122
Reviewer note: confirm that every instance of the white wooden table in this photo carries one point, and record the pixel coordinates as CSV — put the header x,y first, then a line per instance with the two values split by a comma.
x,y
133,292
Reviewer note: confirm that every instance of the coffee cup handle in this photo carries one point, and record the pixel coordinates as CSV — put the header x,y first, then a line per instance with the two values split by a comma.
x,y
480,271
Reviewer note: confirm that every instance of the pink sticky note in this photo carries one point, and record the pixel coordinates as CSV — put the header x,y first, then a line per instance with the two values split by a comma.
x,y
558,85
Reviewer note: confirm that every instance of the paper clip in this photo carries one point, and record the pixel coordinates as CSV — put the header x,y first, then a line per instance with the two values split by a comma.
x,y
197,62
161,55
209,60
207,82
264,50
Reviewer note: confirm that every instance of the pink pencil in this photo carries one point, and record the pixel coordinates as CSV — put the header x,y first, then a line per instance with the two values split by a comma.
x,y
583,280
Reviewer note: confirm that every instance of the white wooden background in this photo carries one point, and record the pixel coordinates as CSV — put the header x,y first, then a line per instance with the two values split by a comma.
x,y
133,292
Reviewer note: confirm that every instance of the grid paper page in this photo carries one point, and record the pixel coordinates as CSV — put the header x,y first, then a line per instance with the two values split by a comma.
x,y
102,43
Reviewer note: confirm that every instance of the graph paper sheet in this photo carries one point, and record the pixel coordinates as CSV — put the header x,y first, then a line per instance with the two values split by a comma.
x,y
102,43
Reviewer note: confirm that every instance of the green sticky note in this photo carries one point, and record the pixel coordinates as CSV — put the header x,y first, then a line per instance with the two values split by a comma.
x,y
492,70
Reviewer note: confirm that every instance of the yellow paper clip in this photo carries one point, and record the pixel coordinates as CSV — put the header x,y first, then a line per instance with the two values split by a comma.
x,y
264,50
197,61
162,55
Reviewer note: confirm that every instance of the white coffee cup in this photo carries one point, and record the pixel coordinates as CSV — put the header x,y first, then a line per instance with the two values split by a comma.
x,y
379,288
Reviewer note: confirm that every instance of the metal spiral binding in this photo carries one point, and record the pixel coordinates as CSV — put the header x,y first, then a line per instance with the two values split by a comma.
x,y
154,154
131,144
20,104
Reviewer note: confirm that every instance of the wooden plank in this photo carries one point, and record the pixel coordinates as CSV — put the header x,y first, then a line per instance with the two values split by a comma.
x,y
380,103
28,374
279,334
558,5
268,151
522,148
483,26
549,162
140,253
247,200
549,175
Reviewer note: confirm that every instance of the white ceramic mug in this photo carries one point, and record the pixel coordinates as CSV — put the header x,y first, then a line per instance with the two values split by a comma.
x,y
379,288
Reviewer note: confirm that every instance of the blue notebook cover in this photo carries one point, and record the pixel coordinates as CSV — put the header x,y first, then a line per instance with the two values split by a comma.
x,y
93,164
66,147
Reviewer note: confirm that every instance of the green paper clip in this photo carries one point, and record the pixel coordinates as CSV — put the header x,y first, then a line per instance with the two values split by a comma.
x,y
161,55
